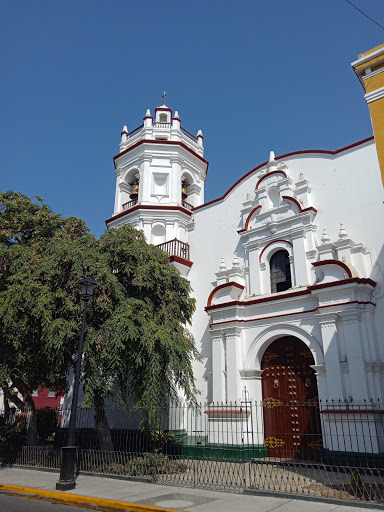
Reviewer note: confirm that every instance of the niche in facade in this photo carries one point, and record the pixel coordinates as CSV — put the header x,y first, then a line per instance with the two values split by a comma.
x,y
157,234
160,184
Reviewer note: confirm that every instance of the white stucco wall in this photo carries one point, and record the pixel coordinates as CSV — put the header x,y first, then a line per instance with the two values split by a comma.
x,y
345,188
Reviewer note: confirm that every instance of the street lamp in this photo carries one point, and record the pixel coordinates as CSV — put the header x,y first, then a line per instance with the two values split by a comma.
x,y
67,470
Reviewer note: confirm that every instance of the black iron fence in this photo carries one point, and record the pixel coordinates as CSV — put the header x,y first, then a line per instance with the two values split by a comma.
x,y
332,450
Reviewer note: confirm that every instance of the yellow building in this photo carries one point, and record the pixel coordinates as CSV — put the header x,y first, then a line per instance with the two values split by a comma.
x,y
370,70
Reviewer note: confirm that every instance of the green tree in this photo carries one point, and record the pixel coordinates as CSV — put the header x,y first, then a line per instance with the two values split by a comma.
x,y
137,342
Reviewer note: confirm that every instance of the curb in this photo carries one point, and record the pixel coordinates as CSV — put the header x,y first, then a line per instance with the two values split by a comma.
x,y
77,498
313,499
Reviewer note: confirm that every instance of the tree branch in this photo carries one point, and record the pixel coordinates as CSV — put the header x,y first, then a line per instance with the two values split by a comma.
x,y
14,399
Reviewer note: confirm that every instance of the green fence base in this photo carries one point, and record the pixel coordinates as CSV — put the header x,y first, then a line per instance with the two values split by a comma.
x,y
198,447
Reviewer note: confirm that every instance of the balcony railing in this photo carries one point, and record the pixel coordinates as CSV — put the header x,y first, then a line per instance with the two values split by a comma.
x,y
136,130
176,247
130,204
188,134
187,205
157,124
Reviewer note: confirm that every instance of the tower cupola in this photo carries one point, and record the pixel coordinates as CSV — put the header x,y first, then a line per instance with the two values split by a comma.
x,y
160,175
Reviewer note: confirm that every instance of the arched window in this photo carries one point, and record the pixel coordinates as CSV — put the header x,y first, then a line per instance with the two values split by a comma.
x,y
280,272
163,118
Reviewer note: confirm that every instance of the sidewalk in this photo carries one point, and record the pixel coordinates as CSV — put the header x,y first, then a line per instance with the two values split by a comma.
x,y
165,497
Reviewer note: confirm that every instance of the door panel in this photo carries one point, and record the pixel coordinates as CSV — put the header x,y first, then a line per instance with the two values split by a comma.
x,y
290,401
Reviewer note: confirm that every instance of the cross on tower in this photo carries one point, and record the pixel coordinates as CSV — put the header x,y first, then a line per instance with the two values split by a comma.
x,y
163,96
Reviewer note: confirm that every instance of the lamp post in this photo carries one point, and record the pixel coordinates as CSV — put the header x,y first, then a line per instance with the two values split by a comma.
x,y
67,470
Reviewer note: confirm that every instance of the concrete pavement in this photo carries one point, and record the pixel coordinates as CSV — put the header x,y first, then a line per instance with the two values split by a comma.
x,y
98,489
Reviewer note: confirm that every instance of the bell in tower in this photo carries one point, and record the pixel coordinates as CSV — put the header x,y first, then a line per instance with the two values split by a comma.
x,y
134,192
184,193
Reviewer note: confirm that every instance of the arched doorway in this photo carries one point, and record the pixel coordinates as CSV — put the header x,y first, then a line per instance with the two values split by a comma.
x,y
290,401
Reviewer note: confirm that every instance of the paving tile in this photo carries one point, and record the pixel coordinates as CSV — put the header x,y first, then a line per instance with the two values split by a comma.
x,y
304,505
183,498
346,508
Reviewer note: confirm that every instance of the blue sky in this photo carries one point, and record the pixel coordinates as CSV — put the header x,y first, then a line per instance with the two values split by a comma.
x,y
254,76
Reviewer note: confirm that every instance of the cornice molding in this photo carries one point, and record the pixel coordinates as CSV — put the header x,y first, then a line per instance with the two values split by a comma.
x,y
148,207
318,152
374,95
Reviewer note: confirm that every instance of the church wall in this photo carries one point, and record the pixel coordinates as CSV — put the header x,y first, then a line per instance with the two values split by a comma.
x,y
345,188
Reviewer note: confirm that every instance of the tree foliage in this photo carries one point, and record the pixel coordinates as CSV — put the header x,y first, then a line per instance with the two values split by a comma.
x,y
137,342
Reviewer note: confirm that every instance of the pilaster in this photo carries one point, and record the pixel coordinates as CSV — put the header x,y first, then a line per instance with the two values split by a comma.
x,y
145,180
351,328
232,353
254,272
331,354
251,379
300,267
218,368
321,376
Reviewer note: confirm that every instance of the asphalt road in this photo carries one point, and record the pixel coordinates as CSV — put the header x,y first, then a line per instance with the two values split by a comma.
x,y
12,502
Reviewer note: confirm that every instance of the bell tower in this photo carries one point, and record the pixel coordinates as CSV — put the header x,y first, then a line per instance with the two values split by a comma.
x,y
160,175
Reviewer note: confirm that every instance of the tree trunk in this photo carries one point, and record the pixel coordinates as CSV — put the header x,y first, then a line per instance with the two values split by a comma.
x,y
6,407
30,414
28,409
102,427
14,399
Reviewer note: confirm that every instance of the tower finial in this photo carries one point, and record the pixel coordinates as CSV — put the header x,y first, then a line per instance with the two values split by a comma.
x,y
342,233
325,238
271,156
163,96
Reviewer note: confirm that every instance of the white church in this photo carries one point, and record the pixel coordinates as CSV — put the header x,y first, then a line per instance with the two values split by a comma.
x,y
286,267
291,249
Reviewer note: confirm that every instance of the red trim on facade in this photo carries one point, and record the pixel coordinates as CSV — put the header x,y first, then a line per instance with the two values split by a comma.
x,y
270,243
284,314
298,293
148,207
183,261
334,262
249,217
309,208
359,280
294,153
241,230
267,176
294,200
167,142
220,287
260,301
148,117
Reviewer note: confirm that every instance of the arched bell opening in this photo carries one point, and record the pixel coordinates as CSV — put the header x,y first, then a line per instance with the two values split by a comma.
x,y
129,188
186,195
280,271
292,428
163,118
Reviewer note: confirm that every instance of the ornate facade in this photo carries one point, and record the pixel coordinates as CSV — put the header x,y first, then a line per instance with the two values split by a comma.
x,y
286,267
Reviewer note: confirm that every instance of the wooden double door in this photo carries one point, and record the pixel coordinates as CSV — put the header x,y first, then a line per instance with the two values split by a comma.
x,y
290,401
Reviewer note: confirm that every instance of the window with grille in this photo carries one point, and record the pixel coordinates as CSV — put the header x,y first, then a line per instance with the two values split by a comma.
x,y
280,272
